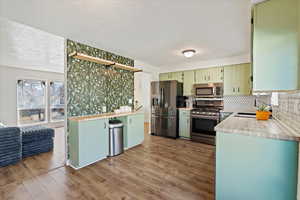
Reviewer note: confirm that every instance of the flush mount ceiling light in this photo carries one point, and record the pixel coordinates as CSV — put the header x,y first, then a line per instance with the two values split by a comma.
x,y
189,53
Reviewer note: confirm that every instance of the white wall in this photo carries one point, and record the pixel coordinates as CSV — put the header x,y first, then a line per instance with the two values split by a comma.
x,y
29,48
26,53
8,89
142,82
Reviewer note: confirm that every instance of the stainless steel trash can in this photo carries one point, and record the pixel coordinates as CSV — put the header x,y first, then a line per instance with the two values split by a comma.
x,y
116,145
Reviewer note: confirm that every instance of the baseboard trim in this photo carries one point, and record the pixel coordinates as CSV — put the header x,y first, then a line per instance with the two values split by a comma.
x,y
77,168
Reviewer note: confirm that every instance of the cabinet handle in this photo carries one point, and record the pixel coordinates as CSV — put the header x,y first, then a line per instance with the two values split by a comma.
x,y
130,120
104,125
205,78
233,89
238,89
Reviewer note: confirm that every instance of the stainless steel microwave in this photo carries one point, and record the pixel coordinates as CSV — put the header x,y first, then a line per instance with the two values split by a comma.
x,y
209,90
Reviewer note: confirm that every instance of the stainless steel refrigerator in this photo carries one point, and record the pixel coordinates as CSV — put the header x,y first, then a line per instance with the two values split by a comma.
x,y
165,99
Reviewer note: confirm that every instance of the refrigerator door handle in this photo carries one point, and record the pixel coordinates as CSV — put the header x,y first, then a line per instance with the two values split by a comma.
x,y
162,97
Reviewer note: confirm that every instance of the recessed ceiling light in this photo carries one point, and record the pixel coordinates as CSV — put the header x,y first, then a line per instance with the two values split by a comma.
x,y
189,53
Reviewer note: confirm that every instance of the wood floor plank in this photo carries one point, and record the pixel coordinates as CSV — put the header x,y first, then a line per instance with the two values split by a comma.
x,y
160,168
36,189
15,191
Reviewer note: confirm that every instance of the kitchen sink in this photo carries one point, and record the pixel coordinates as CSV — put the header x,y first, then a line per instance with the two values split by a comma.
x,y
245,115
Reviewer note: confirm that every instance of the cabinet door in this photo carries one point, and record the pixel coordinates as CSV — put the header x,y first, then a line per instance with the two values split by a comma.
x,y
244,87
93,141
198,76
217,75
163,76
177,76
275,45
201,76
135,130
229,80
237,79
184,124
210,75
206,75
188,82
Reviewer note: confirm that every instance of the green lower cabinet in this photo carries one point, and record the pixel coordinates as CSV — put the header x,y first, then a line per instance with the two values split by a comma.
x,y
88,142
184,124
255,168
134,133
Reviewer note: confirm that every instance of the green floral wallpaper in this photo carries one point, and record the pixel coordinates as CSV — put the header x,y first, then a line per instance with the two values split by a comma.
x,y
91,86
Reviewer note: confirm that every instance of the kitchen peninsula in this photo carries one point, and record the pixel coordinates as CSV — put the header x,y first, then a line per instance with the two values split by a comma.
x,y
89,136
256,159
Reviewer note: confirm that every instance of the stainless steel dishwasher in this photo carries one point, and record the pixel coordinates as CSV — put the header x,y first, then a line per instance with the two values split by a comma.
x,y
116,144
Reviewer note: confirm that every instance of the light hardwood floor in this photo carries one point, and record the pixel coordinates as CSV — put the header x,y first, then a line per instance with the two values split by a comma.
x,y
160,168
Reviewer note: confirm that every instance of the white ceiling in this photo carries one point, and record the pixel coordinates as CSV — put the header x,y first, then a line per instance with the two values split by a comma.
x,y
149,30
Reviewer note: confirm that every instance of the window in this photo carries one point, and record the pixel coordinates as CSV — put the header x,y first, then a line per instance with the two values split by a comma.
x,y
31,101
57,111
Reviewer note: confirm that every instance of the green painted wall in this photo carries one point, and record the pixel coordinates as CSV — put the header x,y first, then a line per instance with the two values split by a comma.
x,y
91,86
255,168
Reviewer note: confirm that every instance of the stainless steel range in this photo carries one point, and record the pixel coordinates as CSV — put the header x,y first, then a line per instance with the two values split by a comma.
x,y
204,117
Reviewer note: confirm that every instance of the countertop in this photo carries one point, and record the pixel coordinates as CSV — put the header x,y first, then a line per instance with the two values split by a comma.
x,y
271,128
103,116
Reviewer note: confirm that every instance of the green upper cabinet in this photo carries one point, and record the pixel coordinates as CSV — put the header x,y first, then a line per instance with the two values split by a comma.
x,y
201,76
216,75
164,76
275,45
209,75
237,79
177,76
188,82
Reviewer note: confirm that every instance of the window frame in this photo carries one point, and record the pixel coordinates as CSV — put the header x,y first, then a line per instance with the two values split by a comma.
x,y
49,100
46,102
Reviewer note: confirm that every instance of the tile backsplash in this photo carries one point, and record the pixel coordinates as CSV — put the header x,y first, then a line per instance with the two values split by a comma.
x,y
288,110
244,103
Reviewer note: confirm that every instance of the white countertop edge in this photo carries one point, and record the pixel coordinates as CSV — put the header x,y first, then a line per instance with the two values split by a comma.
x,y
103,116
262,133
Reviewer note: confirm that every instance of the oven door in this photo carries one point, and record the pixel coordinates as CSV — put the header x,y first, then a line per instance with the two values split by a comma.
x,y
202,128
204,91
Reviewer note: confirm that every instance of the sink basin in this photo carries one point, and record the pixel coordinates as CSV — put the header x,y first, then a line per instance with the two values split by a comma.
x,y
245,115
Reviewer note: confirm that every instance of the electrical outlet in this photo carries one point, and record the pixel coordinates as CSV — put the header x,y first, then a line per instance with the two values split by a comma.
x,y
130,101
103,108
